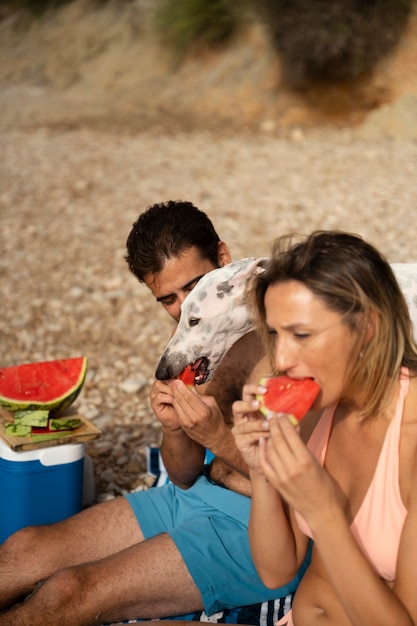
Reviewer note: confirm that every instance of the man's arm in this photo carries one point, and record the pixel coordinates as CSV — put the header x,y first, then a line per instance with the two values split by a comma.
x,y
191,423
183,457
208,418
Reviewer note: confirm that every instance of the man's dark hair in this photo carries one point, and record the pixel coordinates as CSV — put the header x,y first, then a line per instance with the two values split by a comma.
x,y
166,230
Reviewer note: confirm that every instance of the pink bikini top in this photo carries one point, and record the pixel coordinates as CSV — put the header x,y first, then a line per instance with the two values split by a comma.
x,y
378,524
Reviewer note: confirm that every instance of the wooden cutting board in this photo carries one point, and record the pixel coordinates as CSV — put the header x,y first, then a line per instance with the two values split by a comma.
x,y
86,432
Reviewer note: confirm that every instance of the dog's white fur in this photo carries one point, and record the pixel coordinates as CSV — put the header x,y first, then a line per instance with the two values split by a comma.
x,y
214,315
406,275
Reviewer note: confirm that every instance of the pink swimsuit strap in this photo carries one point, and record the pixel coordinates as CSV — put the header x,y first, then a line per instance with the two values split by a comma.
x,y
378,523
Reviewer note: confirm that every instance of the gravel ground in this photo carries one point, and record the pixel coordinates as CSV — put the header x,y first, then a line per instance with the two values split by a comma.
x,y
68,197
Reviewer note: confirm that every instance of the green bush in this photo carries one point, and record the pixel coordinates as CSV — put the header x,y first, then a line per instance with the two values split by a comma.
x,y
36,7
333,39
183,23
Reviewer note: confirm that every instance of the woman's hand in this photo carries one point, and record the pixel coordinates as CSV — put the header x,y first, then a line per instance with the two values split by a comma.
x,y
250,426
293,470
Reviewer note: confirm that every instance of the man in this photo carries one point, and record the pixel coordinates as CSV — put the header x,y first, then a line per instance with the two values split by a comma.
x,y
172,550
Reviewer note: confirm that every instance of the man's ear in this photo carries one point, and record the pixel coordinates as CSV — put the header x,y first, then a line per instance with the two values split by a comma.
x,y
223,256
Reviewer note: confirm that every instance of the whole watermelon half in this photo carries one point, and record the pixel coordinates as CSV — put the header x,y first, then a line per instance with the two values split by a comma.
x,y
51,385
293,396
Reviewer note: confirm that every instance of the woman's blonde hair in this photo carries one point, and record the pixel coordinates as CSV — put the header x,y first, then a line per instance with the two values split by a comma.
x,y
352,278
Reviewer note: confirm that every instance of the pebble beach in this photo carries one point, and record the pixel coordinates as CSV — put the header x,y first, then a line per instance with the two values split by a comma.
x,y
69,195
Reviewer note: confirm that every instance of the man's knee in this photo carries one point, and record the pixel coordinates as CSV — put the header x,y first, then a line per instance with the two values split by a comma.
x,y
21,542
68,584
59,596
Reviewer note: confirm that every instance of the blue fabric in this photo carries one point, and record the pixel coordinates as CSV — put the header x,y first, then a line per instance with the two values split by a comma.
x,y
209,526
156,468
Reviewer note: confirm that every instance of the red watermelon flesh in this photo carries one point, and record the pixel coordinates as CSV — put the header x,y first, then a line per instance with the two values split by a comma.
x,y
293,396
52,385
187,376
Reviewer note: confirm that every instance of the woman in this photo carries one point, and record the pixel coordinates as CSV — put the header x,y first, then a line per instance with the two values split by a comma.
x,y
329,308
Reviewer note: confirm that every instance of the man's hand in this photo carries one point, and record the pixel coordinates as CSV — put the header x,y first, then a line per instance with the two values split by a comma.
x,y
183,457
203,421
162,400
199,416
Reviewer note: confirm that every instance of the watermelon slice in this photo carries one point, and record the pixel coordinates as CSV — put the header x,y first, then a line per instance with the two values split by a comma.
x,y
49,436
17,430
31,417
187,376
63,423
292,396
58,424
49,385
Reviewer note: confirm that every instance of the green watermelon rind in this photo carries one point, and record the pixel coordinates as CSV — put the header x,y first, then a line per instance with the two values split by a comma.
x,y
17,430
33,417
57,404
266,412
58,434
58,423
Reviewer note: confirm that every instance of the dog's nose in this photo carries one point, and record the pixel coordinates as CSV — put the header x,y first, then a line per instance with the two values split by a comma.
x,y
163,371
170,366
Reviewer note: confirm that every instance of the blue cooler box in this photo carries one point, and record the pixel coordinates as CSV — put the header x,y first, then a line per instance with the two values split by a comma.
x,y
39,486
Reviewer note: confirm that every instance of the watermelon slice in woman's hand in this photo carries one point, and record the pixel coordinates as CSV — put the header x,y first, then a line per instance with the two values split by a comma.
x,y
293,396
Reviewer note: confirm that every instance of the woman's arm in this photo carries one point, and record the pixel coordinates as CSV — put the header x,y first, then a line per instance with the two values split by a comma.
x,y
308,488
277,551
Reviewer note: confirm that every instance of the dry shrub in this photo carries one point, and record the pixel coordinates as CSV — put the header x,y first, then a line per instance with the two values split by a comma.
x,y
333,40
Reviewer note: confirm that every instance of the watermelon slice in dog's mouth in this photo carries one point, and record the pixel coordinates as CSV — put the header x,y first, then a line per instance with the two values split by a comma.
x,y
195,373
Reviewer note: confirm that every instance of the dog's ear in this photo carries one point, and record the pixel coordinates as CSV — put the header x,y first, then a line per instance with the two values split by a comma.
x,y
237,273
249,267
262,263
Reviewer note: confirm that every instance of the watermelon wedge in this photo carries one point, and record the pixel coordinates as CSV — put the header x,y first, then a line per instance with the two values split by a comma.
x,y
57,424
187,376
292,396
50,436
31,417
49,385
17,430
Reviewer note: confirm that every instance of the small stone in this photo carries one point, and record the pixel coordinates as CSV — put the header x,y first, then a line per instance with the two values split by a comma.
x,y
104,497
134,384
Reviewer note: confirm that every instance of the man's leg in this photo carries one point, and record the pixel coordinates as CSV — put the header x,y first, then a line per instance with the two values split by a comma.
x,y
146,580
35,553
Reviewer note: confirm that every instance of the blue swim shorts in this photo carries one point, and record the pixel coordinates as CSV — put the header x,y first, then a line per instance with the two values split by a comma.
x,y
209,526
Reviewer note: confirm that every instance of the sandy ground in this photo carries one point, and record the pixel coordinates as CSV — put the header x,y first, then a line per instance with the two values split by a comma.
x,y
76,170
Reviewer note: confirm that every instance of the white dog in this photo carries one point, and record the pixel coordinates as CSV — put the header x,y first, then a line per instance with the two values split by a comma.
x,y
214,316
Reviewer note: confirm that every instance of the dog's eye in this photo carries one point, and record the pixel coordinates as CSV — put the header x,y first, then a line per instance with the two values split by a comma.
x,y
193,321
